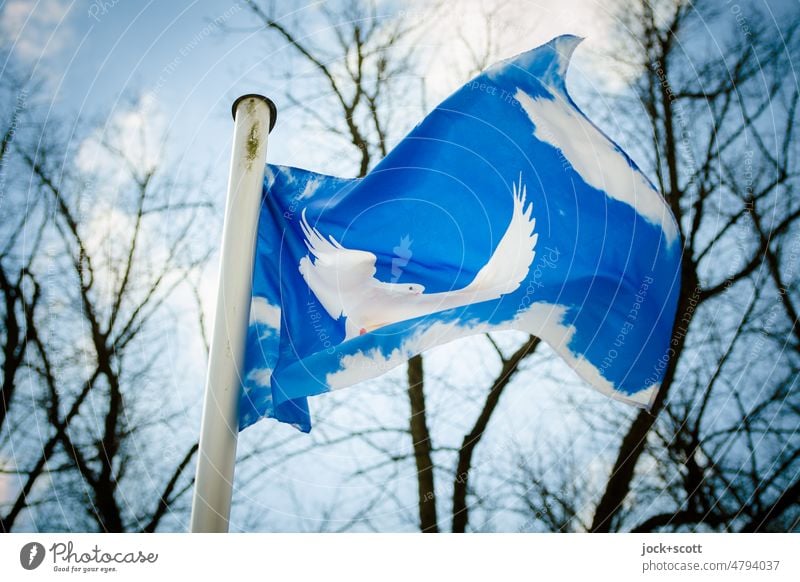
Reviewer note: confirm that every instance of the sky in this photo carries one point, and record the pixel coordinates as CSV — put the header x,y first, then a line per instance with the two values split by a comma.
x,y
184,63
192,59
174,68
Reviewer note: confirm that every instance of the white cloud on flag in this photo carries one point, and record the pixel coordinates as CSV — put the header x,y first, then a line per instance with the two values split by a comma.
x,y
310,187
543,320
260,377
264,313
593,156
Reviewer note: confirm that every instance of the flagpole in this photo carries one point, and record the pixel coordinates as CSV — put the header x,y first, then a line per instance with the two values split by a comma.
x,y
254,117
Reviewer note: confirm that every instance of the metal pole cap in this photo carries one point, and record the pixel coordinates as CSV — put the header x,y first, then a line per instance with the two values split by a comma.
x,y
273,111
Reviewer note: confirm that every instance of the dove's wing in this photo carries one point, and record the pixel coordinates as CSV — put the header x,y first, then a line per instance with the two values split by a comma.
x,y
505,271
509,264
338,276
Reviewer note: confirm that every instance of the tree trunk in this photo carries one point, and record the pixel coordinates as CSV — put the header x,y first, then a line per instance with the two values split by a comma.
x,y
619,482
471,440
422,447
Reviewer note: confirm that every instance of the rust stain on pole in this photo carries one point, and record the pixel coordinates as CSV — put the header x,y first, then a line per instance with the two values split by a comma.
x,y
252,144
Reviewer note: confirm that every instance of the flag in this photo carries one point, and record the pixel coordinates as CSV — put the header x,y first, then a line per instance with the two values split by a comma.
x,y
505,208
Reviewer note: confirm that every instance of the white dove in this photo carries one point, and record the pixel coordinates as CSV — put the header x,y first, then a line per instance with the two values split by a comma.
x,y
344,279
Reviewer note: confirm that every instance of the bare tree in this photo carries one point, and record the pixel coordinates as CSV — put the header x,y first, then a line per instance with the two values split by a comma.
x,y
19,293
360,70
360,61
121,240
720,448
21,236
731,183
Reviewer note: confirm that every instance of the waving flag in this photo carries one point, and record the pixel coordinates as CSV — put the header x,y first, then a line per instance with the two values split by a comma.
x,y
505,208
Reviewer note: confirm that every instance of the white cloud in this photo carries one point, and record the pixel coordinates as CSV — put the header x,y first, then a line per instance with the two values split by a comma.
x,y
507,27
365,365
545,320
136,131
108,232
310,187
264,313
260,376
36,30
268,174
594,157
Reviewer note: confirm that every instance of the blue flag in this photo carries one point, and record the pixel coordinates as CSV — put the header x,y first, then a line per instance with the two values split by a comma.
x,y
505,208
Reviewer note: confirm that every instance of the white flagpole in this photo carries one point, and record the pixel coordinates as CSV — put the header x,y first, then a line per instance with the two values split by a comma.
x,y
254,117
